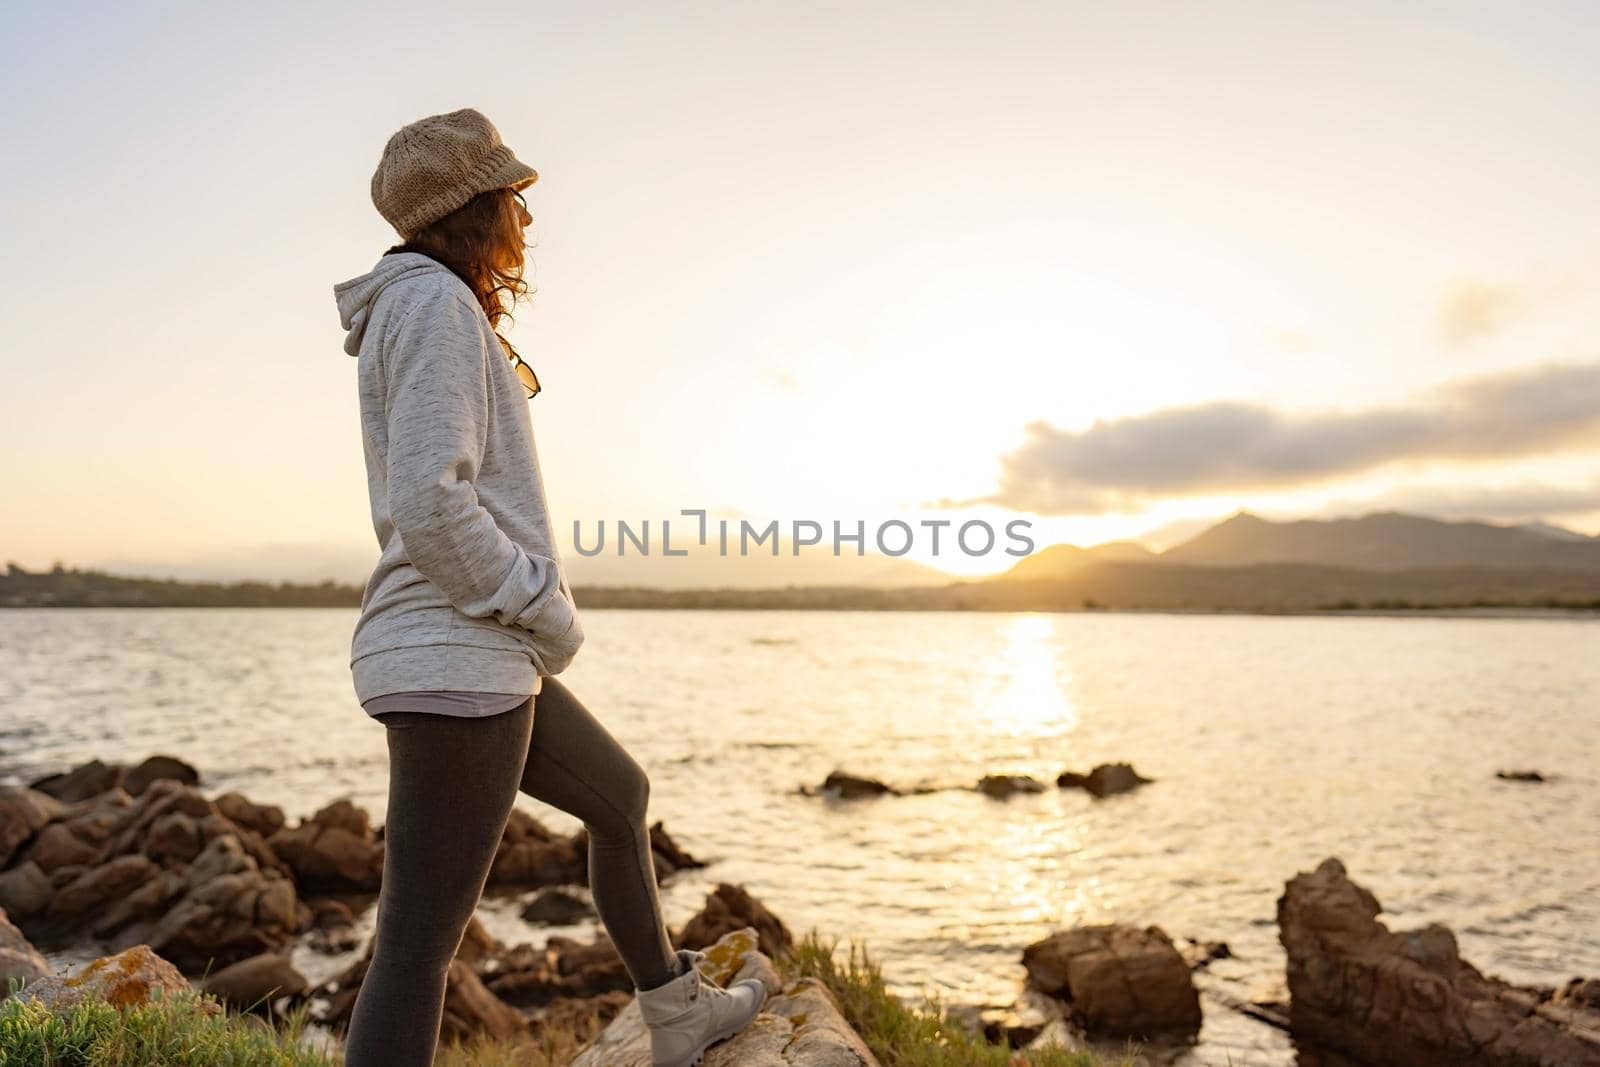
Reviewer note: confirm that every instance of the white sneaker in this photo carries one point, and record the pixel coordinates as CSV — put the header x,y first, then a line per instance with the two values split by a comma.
x,y
689,1014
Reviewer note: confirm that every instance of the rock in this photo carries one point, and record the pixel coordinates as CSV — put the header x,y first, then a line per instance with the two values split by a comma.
x,y
669,857
82,782
343,814
166,869
526,977
23,813
145,903
568,968
553,907
1017,1026
18,958
564,968
1520,776
129,828
57,846
1104,780
530,855
333,851
1408,997
666,853
333,940
1117,979
125,980
585,968
729,908
1583,992
24,890
1001,786
841,786
174,839
1010,1026
333,926
139,778
1060,1035
264,819
1199,954
80,834
470,1008
179,816
1273,1012
98,887
580,1019
217,825
477,944
230,910
799,1026
256,983
329,913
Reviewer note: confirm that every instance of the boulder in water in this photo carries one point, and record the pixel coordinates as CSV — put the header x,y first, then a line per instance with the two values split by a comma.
x,y
842,786
1117,979
1001,786
556,907
82,782
1408,997
1104,780
155,768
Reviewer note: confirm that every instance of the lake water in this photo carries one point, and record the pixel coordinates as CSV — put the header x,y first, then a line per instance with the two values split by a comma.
x,y
1275,741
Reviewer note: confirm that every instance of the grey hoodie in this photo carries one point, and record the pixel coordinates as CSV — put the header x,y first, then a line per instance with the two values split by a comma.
x,y
468,593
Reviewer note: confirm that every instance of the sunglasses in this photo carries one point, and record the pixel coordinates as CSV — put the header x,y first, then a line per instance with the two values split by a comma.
x,y
530,380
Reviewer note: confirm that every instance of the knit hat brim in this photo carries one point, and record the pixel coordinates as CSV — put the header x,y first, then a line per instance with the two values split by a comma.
x,y
523,183
499,170
520,174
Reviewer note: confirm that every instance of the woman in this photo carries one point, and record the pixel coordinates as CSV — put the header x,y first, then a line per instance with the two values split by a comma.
x,y
467,616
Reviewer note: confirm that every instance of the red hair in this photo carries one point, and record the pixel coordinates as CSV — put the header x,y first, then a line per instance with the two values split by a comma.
x,y
481,243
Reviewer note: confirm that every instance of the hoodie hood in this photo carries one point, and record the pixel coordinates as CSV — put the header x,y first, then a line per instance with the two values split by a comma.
x,y
356,296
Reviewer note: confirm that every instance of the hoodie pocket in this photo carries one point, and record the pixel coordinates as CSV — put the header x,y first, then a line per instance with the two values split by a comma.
x,y
557,634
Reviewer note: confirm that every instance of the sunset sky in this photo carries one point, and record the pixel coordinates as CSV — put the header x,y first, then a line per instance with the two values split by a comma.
x,y
1108,267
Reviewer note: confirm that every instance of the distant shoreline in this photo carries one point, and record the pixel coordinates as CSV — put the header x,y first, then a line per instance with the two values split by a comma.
x,y
1093,586
1509,611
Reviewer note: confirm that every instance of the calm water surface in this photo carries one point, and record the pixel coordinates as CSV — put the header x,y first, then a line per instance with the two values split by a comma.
x,y
1276,741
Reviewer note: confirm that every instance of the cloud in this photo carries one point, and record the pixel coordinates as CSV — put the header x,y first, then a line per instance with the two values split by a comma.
x,y
1120,464
1472,309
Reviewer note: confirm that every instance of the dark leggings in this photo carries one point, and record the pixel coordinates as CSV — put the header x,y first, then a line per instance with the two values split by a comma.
x,y
451,784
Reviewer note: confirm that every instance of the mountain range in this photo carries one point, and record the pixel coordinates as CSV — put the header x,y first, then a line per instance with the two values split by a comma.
x,y
1379,541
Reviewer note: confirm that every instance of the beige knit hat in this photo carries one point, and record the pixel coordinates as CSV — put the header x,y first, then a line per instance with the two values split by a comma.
x,y
437,164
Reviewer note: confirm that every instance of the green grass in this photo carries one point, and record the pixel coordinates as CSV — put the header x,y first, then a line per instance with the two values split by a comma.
x,y
549,1049
901,1035
162,1033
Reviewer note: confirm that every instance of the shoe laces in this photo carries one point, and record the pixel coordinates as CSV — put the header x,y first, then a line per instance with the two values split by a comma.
x,y
692,957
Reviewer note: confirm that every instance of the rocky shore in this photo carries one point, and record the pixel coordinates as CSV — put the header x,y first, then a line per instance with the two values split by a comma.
x,y
178,888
